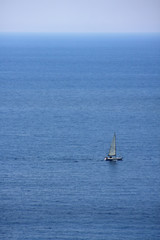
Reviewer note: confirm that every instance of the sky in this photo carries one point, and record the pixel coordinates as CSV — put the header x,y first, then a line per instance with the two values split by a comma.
x,y
80,16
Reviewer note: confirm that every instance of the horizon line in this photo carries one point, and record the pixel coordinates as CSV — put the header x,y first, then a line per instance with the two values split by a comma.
x,y
69,32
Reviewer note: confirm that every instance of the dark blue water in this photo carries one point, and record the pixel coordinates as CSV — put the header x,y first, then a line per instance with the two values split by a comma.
x,y
61,99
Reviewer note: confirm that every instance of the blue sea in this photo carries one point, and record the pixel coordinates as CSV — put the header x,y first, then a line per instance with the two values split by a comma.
x,y
62,97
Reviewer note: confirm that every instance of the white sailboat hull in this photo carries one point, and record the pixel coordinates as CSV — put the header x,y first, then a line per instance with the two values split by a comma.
x,y
113,158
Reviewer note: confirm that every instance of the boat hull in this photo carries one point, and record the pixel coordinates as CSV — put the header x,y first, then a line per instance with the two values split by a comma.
x,y
113,158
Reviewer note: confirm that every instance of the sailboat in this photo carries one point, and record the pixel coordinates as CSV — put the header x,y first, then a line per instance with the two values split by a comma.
x,y
112,151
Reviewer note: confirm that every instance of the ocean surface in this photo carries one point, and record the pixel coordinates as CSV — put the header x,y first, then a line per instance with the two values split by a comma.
x,y
62,97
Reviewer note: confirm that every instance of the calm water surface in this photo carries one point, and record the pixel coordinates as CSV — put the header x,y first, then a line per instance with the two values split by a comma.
x,y
61,99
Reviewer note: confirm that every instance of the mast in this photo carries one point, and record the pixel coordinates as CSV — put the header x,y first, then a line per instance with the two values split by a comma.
x,y
112,150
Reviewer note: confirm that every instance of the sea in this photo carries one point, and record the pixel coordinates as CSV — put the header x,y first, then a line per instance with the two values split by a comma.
x,y
62,98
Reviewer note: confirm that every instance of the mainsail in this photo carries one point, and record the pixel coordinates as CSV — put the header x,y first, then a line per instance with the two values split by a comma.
x,y
112,150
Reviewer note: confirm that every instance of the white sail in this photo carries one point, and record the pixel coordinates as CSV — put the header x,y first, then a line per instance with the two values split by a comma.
x,y
112,150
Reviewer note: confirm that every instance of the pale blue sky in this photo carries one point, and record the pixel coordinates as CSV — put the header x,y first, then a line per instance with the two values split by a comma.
x,y
80,15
